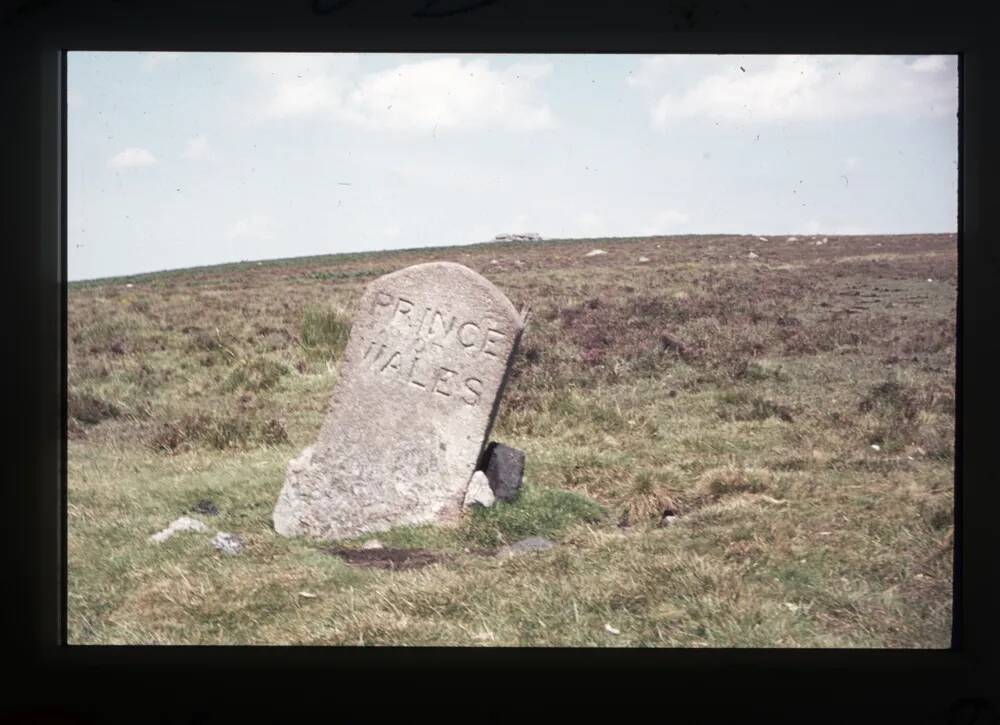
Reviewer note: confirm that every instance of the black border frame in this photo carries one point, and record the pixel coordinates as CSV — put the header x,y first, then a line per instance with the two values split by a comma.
x,y
958,685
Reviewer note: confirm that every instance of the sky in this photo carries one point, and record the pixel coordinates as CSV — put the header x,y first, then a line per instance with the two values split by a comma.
x,y
187,159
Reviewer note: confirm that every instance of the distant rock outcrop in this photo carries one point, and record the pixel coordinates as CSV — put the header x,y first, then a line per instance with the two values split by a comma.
x,y
526,237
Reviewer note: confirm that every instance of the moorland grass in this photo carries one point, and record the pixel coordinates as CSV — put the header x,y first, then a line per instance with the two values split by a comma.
x,y
793,414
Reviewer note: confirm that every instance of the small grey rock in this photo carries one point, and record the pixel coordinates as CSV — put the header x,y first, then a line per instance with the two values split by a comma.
x,y
227,543
524,546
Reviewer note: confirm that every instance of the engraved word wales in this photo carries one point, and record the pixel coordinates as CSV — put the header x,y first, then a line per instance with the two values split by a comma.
x,y
426,345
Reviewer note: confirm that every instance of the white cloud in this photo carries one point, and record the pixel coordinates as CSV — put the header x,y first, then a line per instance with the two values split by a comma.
x,y
302,84
151,61
796,88
256,227
197,149
652,70
131,158
449,93
425,96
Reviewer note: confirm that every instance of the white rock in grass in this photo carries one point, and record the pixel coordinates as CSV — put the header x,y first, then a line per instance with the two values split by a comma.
x,y
372,544
479,492
643,259
612,630
184,523
227,543
753,256
876,447
594,252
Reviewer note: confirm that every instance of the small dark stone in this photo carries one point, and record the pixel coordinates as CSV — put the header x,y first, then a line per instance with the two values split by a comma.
x,y
205,507
504,469
118,347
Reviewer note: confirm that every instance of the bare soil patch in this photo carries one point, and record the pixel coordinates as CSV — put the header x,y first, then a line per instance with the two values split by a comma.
x,y
397,559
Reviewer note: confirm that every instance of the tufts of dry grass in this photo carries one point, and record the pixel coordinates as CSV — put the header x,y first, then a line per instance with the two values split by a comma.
x,y
256,374
219,431
729,480
648,501
325,332
89,409
897,415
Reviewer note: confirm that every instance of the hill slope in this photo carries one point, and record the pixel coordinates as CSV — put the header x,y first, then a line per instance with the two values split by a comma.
x,y
794,408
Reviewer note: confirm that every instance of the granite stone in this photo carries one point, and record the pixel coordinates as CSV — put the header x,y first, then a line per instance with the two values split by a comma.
x,y
418,388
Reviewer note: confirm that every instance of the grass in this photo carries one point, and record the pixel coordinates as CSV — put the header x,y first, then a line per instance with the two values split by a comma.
x,y
257,374
325,332
727,452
